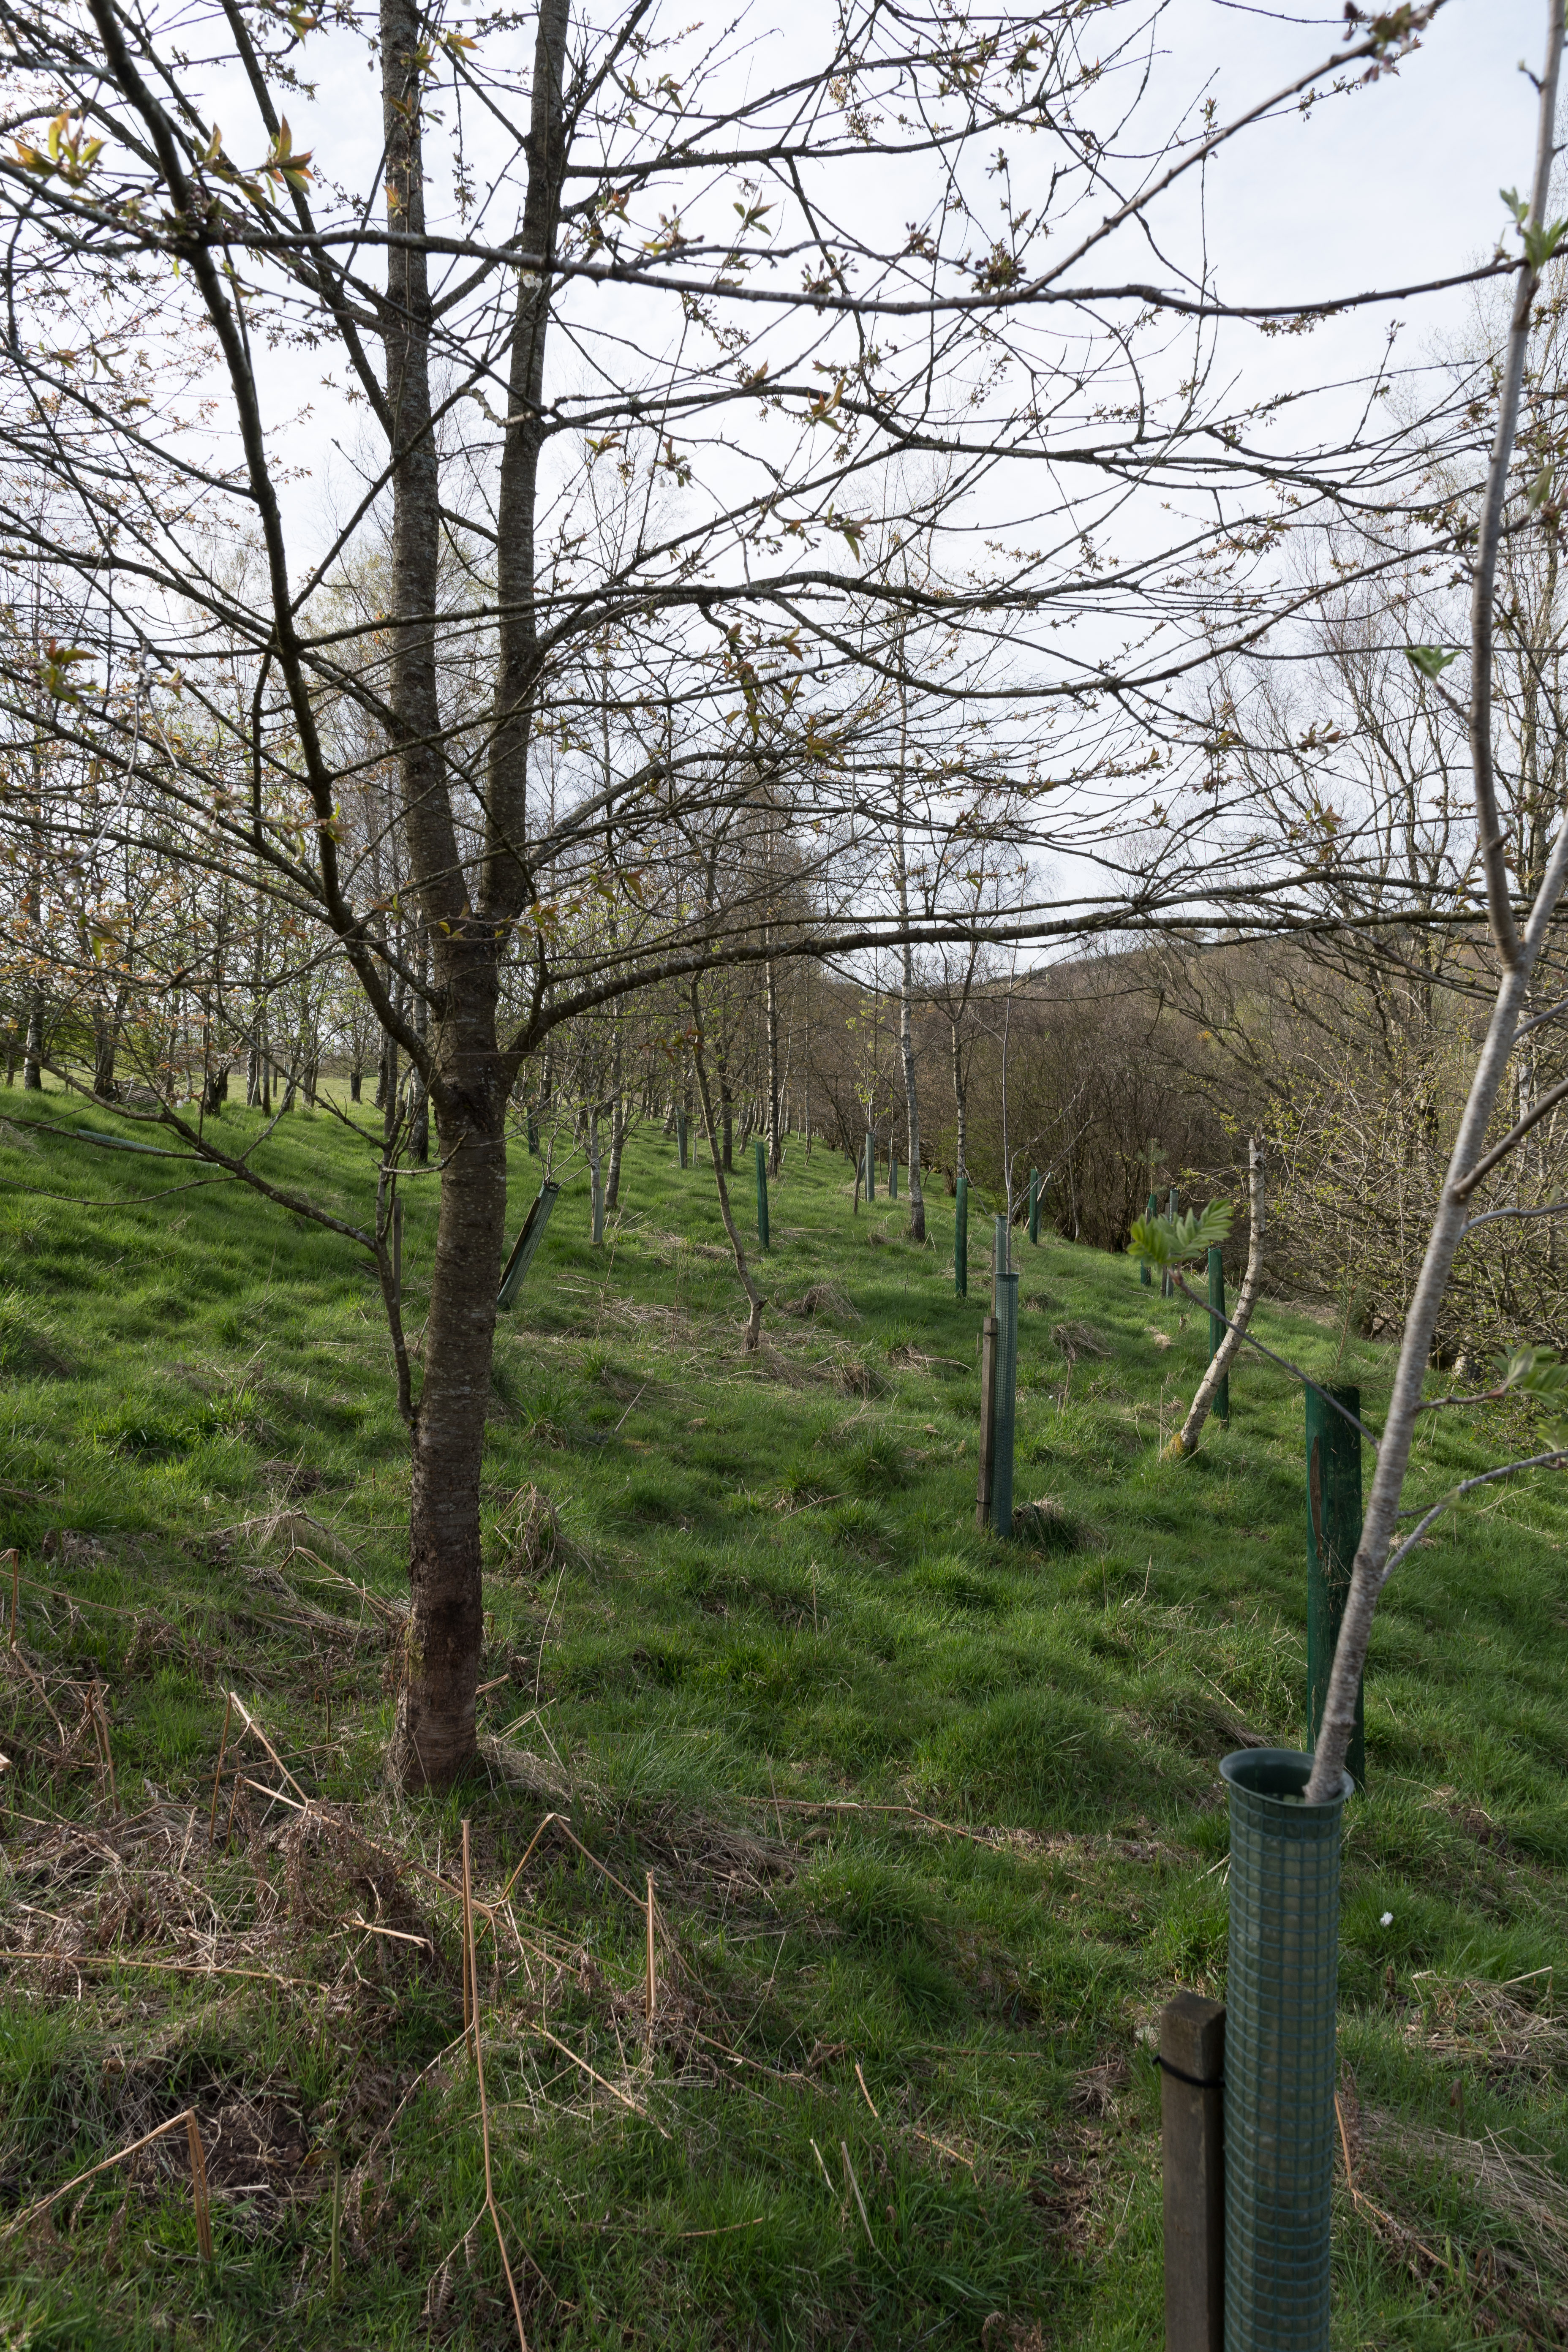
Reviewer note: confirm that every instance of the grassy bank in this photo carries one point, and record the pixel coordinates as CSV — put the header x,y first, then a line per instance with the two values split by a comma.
x,y
933,1821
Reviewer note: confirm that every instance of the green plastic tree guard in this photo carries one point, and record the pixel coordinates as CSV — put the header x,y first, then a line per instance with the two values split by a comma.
x,y
762,1194
1144,1277
1034,1204
871,1167
1216,1329
1333,1536
1279,2001
961,1239
1168,1280
892,1173
526,1244
680,1134
1006,1403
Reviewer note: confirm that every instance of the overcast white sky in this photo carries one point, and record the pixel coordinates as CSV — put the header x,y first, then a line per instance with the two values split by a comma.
x,y
1392,184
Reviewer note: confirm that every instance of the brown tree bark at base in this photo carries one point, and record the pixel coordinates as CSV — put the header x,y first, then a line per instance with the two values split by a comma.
x,y
434,1737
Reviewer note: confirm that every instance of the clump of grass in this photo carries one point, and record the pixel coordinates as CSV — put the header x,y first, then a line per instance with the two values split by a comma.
x,y
1047,1525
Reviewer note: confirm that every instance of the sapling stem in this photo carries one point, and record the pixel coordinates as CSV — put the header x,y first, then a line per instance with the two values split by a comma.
x,y
1519,957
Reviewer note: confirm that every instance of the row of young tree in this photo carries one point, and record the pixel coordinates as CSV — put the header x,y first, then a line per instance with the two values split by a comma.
x,y
779,540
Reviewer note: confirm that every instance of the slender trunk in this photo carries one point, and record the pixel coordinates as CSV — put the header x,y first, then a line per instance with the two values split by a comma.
x,y
357,1081
419,1122
772,1016
911,1097
754,1296
1186,1439
33,1055
105,1046
959,1103
1374,1559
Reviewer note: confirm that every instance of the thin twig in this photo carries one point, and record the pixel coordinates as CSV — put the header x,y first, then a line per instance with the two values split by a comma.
x,y
218,1776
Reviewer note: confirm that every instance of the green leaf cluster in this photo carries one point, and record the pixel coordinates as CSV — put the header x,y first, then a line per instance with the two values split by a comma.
x,y
1534,1372
1167,1241
1542,239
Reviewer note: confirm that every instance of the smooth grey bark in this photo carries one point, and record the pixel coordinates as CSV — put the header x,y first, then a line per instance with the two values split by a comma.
x,y
1187,1438
1374,1561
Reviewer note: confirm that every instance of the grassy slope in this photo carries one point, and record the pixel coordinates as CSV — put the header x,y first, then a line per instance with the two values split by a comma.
x,y
767,1594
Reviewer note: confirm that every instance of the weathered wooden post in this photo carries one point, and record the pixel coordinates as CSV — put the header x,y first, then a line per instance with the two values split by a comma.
x,y
1191,2131
597,1195
762,1194
961,1239
1007,1390
989,1331
1034,1204
526,1244
1144,1277
1333,1537
1216,1328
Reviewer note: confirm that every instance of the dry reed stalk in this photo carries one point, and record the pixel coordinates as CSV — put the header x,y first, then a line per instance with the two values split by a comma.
x,y
471,2017
199,2186
248,1720
31,2212
100,1727
471,1983
218,1776
652,1965
855,2185
556,2043
117,1959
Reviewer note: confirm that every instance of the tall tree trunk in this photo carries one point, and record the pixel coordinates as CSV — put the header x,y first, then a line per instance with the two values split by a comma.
x,y
467,918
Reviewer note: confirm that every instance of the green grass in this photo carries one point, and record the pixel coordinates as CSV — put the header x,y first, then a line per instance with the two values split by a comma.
x,y
760,1611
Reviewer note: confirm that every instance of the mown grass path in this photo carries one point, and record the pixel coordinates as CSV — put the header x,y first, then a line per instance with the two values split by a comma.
x,y
934,1821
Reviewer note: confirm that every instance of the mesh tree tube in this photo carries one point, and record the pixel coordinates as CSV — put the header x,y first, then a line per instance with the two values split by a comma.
x,y
1280,2000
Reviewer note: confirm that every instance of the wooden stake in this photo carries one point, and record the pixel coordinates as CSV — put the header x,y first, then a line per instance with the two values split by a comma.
x,y
199,2186
652,1962
218,1776
1192,2071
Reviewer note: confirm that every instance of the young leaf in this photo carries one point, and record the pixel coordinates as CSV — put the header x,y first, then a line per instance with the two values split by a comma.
x,y
1166,1242
1430,660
